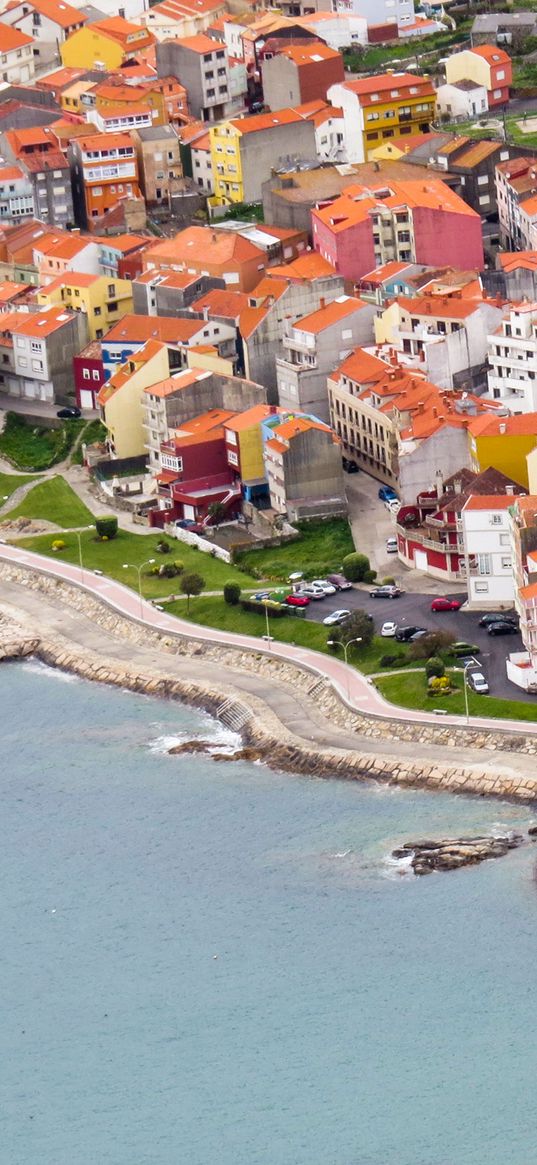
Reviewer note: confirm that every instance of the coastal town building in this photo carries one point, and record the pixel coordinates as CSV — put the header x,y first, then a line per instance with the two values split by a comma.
x,y
48,22
503,442
313,346
512,359
105,44
104,170
401,221
209,251
378,108
37,350
488,562
244,151
522,665
486,65
301,73
201,64
304,470
101,301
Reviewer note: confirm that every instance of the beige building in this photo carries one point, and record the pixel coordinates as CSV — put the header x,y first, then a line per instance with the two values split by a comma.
x,y
122,398
159,163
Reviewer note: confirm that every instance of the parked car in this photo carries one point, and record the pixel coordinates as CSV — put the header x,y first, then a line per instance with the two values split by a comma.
x,y
339,582
391,545
350,466
502,627
497,617
418,634
403,634
444,604
394,505
260,595
335,618
386,592
477,682
69,414
387,494
297,601
388,630
461,648
312,592
326,586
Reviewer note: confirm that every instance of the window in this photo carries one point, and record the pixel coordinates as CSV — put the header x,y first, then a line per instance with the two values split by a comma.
x,y
481,587
497,520
506,562
485,563
95,374
85,374
37,365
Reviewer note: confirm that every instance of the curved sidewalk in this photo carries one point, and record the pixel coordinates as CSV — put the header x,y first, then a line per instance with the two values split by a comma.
x,y
357,692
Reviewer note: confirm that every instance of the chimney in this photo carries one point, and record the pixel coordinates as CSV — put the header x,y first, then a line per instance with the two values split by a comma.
x,y
322,302
214,237
510,489
206,312
502,428
435,411
457,485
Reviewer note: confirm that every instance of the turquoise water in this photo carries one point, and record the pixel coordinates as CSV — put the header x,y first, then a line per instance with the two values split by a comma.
x,y
351,1015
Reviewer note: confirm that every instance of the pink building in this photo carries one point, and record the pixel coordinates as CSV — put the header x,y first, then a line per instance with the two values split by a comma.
x,y
416,222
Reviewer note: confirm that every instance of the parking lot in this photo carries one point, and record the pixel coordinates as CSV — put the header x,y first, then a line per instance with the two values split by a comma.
x,y
415,609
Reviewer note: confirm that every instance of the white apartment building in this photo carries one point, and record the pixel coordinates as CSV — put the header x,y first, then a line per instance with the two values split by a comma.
x,y
16,194
16,56
522,665
488,551
446,337
513,360
400,12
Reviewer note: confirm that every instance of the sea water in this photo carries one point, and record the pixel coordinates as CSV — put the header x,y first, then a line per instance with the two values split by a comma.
x,y
216,963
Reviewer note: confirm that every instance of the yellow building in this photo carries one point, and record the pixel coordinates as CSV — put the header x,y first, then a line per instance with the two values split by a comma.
x,y
531,461
103,301
121,399
71,98
503,443
382,108
105,44
244,442
244,149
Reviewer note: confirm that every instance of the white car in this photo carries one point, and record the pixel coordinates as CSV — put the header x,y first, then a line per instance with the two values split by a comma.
x,y
327,587
393,505
335,618
388,630
311,591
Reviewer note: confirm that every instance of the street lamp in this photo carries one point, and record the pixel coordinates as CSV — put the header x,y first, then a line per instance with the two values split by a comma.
x,y
345,646
79,534
139,569
268,636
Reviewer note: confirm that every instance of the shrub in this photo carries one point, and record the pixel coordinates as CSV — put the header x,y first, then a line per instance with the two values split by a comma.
x,y
369,576
167,570
388,581
275,610
355,566
106,528
58,544
232,593
431,644
179,566
439,686
434,667
393,660
357,626
163,547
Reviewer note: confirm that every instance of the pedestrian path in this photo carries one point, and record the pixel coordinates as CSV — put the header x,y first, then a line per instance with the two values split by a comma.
x,y
356,690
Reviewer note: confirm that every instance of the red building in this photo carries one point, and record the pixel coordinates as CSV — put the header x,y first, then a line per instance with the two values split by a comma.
x,y
88,375
417,222
195,472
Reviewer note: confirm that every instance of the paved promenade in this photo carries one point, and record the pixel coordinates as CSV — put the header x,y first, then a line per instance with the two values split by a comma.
x,y
356,691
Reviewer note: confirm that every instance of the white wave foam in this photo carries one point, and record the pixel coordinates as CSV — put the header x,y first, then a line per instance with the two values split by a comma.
x,y
39,668
221,739
397,867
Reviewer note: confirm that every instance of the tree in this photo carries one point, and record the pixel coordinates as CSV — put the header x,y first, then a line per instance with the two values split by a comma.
x,y
216,512
191,584
431,644
232,593
355,566
106,527
359,625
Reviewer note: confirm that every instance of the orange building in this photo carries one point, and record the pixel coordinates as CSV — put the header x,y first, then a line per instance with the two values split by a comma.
x,y
104,170
220,253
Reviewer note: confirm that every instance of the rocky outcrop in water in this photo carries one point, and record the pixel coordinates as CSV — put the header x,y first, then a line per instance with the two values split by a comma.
x,y
452,853
209,747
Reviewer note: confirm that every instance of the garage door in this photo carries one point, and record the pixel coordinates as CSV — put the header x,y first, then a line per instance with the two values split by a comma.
x,y
420,560
86,398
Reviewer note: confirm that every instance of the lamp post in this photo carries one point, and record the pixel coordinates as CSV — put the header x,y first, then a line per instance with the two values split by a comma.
x,y
268,636
139,569
79,534
345,646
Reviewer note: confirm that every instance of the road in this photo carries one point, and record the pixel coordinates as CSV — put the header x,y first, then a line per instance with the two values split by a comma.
x,y
414,609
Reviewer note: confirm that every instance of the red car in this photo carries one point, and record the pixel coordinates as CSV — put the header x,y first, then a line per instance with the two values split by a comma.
x,y
445,605
297,601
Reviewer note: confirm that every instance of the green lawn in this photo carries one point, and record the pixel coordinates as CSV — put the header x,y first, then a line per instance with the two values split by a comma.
x,y
214,612
53,501
9,482
137,549
32,447
319,551
409,691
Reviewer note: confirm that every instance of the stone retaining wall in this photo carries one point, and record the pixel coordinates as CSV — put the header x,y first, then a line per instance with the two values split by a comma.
x,y
445,736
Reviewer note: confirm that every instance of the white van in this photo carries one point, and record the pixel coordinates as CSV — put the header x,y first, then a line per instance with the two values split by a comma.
x,y
391,545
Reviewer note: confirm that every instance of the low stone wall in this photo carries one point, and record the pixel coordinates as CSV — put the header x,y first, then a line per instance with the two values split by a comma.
x,y
261,727
280,747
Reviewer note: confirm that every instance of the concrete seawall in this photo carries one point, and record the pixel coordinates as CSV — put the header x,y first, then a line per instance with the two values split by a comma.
x,y
373,738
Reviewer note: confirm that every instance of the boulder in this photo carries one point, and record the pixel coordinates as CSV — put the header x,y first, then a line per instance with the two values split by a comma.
x,y
452,853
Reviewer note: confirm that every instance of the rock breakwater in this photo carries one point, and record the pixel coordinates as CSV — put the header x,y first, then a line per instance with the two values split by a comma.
x,y
452,853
